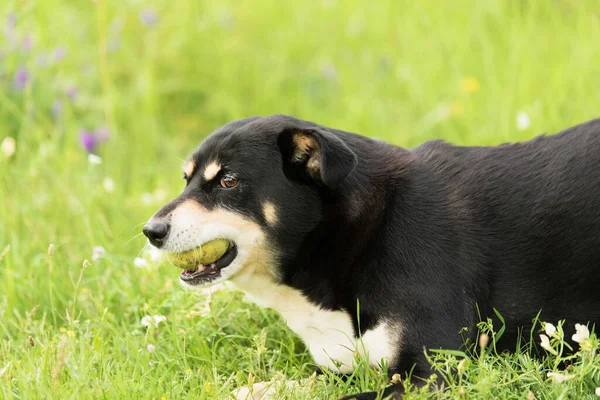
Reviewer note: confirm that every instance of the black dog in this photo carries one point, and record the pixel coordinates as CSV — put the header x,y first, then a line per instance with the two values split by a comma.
x,y
423,242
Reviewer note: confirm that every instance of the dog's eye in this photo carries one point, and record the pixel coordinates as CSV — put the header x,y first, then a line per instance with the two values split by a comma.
x,y
229,181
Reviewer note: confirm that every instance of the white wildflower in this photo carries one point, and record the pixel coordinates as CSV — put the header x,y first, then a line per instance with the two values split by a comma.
x,y
97,253
5,368
581,334
597,391
153,320
545,343
139,262
550,329
151,348
559,378
8,146
109,185
159,195
147,198
523,120
155,254
94,159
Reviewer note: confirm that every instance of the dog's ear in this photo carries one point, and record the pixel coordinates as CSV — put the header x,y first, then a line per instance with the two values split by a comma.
x,y
316,154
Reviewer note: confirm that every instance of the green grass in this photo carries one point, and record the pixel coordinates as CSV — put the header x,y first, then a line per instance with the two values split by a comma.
x,y
403,71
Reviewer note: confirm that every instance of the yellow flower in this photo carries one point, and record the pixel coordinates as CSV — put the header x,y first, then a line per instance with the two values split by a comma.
x,y
470,84
62,329
457,109
207,386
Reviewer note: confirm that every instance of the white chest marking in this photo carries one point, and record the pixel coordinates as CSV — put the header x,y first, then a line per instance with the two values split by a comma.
x,y
328,334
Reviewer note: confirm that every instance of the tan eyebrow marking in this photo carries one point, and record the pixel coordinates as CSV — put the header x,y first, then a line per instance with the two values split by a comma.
x,y
211,170
270,213
188,170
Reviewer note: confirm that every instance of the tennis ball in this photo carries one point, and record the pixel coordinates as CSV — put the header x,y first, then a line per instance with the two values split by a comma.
x,y
206,254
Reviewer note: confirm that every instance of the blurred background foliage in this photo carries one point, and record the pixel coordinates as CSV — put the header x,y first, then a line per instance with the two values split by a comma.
x,y
101,100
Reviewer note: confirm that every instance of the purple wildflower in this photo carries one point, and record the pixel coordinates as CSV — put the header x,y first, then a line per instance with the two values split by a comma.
x,y
148,17
58,54
21,78
88,140
114,44
11,21
329,71
9,29
72,92
57,108
102,134
42,60
27,43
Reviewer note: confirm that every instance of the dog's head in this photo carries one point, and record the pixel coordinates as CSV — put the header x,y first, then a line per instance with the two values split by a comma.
x,y
258,183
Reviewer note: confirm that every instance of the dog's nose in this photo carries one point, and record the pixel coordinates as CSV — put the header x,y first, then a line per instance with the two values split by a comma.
x,y
156,232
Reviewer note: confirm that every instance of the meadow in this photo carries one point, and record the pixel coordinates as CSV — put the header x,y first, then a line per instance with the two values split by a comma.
x,y
102,100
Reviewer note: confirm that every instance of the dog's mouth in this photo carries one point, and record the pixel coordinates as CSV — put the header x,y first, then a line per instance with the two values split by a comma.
x,y
203,274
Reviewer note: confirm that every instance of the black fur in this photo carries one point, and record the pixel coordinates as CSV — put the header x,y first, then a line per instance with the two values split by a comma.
x,y
423,236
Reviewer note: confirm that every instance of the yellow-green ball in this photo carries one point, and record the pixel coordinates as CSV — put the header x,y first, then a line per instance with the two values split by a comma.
x,y
206,254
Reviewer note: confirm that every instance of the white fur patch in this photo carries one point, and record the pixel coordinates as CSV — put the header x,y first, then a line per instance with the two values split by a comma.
x,y
328,334
211,170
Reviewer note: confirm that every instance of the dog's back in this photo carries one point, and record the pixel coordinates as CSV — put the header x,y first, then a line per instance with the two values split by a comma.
x,y
530,216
